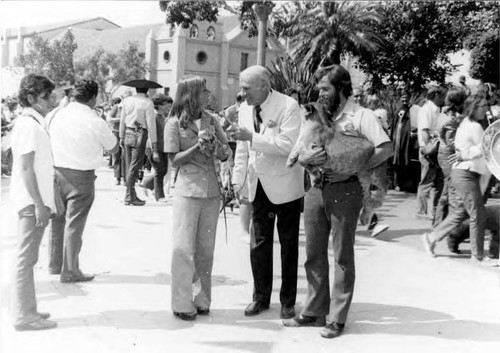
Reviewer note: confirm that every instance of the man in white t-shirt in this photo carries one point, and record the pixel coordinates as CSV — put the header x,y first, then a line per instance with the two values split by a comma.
x,y
431,176
78,137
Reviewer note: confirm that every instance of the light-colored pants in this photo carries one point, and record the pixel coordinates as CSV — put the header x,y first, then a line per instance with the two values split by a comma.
x,y
193,239
24,308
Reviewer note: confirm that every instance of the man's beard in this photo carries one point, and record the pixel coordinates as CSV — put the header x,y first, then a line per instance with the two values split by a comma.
x,y
331,104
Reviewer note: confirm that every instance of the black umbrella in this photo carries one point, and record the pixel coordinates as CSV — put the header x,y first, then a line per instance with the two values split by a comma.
x,y
142,84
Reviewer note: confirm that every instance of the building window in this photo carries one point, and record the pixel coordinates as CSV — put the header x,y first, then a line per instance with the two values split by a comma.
x,y
193,32
243,61
166,56
201,57
211,33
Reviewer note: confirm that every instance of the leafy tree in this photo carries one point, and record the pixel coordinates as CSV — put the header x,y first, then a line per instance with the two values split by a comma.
x,y
325,31
485,58
104,67
52,58
184,13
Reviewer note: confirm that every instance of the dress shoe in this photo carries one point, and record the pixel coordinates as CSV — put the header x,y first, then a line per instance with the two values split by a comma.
x,y
203,311
287,311
185,316
332,330
117,182
136,202
255,308
71,279
40,324
44,316
54,272
305,321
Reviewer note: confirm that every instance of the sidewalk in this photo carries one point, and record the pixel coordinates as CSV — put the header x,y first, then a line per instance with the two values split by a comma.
x,y
404,300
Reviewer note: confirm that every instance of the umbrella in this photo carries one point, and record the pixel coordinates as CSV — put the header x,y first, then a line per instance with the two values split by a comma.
x,y
142,84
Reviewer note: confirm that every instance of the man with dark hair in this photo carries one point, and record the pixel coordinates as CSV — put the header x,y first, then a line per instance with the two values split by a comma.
x,y
431,176
334,209
137,124
78,137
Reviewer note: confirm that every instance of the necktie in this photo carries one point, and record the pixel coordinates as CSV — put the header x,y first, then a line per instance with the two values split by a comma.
x,y
258,119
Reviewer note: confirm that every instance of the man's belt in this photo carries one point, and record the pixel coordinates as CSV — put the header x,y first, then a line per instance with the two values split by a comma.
x,y
137,129
333,178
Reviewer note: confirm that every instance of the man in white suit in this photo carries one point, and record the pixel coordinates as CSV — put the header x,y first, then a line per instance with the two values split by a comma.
x,y
269,125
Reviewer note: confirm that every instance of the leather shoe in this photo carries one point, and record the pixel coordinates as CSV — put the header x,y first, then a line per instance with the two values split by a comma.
x,y
287,311
40,324
305,321
54,272
203,311
332,330
71,279
185,316
136,202
255,308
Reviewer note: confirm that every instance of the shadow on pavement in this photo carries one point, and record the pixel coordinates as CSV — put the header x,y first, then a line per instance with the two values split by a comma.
x,y
371,318
242,346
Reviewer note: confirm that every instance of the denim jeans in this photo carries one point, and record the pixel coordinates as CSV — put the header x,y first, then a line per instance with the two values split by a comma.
x,y
24,307
466,201
134,160
442,208
65,243
431,184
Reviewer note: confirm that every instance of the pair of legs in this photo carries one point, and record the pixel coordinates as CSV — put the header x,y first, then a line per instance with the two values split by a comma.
x,y
134,159
118,162
334,209
431,185
261,247
466,200
156,181
24,306
77,189
194,228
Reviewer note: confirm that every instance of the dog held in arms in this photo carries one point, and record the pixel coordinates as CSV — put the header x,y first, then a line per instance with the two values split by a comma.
x,y
347,154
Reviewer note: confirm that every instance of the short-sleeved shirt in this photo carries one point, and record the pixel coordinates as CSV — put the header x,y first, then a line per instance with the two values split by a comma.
x,y
79,137
29,135
197,177
427,119
139,109
355,117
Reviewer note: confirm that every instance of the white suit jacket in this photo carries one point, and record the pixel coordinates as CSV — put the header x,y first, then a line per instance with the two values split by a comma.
x,y
265,157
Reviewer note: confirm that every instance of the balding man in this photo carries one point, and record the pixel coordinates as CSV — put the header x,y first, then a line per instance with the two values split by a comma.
x,y
269,124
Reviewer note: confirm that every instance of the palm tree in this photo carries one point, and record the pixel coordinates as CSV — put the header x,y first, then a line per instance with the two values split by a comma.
x,y
322,32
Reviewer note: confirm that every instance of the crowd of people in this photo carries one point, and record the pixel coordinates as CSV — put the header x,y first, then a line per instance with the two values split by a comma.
x,y
248,144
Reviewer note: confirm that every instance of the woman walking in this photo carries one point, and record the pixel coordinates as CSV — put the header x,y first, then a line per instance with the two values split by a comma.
x,y
193,141
466,198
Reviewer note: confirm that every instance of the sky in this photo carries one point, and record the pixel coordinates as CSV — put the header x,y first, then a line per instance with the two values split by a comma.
x,y
14,13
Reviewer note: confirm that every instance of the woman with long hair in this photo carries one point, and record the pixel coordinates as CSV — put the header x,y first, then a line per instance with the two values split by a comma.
x,y
193,141
466,198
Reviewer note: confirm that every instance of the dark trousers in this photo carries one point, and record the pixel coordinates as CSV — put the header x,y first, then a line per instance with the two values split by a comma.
x,y
24,307
335,209
118,160
156,181
77,189
261,247
431,184
135,159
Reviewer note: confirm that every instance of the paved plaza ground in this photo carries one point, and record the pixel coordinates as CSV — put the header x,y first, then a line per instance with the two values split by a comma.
x,y
404,300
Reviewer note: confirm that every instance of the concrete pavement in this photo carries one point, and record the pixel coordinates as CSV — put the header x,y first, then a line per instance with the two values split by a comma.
x,y
404,300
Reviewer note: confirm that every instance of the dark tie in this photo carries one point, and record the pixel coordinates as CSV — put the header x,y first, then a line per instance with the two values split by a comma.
x,y
258,119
